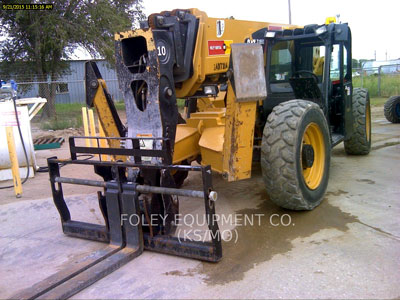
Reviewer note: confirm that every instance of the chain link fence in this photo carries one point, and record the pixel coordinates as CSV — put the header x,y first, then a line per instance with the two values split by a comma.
x,y
68,88
383,81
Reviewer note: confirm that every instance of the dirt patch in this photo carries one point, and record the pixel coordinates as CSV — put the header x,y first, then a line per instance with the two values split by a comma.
x,y
337,193
388,144
260,242
369,181
37,132
189,272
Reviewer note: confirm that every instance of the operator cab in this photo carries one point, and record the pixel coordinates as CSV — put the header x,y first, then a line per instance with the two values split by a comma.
x,y
297,68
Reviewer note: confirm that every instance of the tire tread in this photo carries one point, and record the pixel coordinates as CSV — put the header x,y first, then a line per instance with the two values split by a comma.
x,y
389,109
277,157
358,143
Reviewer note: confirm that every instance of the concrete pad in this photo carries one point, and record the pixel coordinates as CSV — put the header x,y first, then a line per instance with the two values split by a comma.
x,y
348,247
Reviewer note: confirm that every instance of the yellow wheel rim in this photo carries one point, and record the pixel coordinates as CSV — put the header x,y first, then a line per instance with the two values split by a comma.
x,y
368,122
313,137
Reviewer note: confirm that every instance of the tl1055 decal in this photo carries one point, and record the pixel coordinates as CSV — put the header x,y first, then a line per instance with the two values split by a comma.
x,y
220,66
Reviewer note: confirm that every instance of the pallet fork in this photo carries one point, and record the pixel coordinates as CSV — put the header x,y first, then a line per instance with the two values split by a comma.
x,y
121,196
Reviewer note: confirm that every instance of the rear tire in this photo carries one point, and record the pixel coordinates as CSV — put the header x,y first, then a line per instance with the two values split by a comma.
x,y
391,109
289,127
360,141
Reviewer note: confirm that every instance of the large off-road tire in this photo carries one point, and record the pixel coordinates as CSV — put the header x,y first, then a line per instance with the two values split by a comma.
x,y
293,177
391,109
359,142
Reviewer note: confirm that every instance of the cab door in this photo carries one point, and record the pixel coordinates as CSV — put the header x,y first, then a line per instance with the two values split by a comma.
x,y
341,90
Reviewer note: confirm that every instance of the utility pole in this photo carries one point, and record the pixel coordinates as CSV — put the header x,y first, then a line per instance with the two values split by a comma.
x,y
375,54
386,54
290,13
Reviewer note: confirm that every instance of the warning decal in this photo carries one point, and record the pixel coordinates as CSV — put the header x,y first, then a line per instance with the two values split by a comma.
x,y
219,47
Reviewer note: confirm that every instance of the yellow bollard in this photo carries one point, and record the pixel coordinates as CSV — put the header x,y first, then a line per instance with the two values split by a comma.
x,y
92,126
103,143
14,162
85,125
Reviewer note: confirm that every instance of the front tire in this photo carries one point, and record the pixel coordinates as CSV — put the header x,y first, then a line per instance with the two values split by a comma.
x,y
391,109
295,155
360,141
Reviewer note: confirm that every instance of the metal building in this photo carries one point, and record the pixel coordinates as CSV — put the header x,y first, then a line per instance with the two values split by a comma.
x,y
70,87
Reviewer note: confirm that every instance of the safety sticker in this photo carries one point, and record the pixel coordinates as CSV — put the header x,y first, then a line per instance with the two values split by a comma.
x,y
146,144
219,47
220,28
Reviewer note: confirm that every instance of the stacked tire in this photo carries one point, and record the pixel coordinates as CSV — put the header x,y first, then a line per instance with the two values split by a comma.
x,y
391,109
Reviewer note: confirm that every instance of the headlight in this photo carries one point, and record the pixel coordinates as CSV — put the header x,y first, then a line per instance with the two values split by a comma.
x,y
270,34
210,90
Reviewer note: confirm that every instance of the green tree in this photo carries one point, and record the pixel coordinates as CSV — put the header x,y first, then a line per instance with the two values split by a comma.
x,y
40,42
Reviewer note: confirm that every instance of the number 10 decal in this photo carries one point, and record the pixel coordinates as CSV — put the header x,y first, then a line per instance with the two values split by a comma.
x,y
161,51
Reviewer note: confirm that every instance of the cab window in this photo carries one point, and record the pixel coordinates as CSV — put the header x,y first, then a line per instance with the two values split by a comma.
x,y
335,64
319,61
345,62
281,61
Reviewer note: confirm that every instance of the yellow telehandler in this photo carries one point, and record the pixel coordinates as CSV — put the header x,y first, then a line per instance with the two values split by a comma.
x,y
278,94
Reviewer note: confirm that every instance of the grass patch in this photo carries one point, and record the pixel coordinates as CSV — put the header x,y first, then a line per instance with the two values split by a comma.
x,y
62,123
181,103
378,101
69,115
390,85
120,105
69,108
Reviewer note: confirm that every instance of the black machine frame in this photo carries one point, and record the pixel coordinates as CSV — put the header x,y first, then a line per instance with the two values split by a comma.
x,y
338,109
121,196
